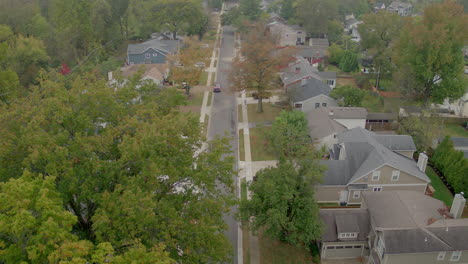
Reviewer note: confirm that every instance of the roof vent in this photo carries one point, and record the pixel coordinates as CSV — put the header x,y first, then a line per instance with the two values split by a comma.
x,y
331,113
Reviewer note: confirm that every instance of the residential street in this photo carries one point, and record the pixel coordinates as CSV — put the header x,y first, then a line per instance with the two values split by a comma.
x,y
223,121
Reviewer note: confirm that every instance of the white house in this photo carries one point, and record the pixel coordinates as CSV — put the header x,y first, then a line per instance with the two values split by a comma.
x,y
287,35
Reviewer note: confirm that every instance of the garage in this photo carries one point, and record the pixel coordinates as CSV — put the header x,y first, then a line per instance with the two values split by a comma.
x,y
342,251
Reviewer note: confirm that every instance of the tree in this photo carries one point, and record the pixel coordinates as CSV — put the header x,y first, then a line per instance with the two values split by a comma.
x,y
180,16
336,53
335,31
95,138
287,9
256,71
33,221
349,61
424,129
348,95
289,135
430,50
184,68
379,32
250,9
315,14
282,203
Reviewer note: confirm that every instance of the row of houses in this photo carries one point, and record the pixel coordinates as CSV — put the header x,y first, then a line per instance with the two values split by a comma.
x,y
402,8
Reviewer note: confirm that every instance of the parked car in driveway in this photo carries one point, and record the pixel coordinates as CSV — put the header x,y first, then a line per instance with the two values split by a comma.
x,y
217,88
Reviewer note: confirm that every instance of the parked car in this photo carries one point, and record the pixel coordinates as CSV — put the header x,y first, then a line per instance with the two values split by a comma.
x,y
217,88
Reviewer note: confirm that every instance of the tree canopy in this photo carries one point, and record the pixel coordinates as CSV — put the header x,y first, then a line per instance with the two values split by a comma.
x,y
429,53
122,156
348,95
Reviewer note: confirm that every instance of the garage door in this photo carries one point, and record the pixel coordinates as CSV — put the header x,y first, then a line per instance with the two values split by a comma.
x,y
348,251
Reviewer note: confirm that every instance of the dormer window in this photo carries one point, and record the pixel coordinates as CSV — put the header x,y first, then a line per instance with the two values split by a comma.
x,y
395,175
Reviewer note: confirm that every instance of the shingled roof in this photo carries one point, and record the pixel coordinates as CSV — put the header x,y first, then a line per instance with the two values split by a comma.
x,y
366,151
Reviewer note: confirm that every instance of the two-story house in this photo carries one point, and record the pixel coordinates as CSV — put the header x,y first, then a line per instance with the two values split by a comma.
x,y
301,69
153,51
403,9
362,160
397,227
287,35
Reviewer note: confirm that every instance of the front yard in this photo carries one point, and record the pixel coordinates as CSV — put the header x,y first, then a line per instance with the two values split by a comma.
x,y
259,144
270,112
455,130
277,252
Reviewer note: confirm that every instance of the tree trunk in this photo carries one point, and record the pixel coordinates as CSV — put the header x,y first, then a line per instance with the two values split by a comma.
x,y
174,34
260,105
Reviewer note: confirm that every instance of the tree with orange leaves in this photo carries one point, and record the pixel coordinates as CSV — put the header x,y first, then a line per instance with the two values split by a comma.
x,y
255,68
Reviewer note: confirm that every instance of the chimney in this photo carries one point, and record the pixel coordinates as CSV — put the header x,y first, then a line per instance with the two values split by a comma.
x,y
331,113
304,82
422,161
109,76
458,205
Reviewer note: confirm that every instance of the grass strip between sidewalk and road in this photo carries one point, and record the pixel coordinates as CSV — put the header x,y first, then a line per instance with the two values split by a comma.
x,y
239,114
241,145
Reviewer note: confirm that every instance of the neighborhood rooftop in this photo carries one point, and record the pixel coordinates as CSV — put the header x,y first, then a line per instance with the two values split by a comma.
x,y
167,46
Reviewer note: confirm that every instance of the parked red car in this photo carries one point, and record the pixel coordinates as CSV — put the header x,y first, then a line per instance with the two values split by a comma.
x,y
217,88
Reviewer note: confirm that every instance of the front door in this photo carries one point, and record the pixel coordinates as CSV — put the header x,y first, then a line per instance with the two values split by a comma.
x,y
344,196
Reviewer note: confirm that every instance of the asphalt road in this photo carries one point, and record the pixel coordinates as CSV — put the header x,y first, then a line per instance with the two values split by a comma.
x,y
223,121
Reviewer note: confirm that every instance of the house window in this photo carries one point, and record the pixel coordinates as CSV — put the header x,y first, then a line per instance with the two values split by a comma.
x,y
375,175
324,104
347,235
330,247
299,32
317,105
298,106
395,175
456,255
348,247
147,55
155,54
377,189
357,246
441,255
330,82
357,194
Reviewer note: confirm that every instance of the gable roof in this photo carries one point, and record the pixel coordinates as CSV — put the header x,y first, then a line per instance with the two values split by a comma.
x,y
315,42
163,45
403,217
351,21
336,220
321,125
311,52
311,88
366,151
298,70
460,142
327,75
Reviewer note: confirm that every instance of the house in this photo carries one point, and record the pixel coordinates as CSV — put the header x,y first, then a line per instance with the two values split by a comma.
x,y
326,123
381,121
153,51
461,144
458,107
287,35
379,6
403,9
351,22
310,94
301,69
157,73
313,54
397,227
319,42
362,160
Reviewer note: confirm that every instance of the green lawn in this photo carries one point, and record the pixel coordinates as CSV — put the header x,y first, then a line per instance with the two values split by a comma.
x,y
195,99
276,252
270,112
441,192
203,78
243,189
455,130
373,103
241,145
259,144
346,81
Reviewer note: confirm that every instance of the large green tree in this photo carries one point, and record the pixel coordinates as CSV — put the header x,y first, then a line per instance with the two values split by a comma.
x,y
94,138
250,9
430,53
314,15
348,95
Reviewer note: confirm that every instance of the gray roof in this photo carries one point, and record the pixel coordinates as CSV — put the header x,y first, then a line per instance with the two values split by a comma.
x,y
166,46
412,241
396,142
351,21
401,209
348,219
327,75
319,42
456,237
321,125
348,112
312,88
366,151
311,52
298,70
382,116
